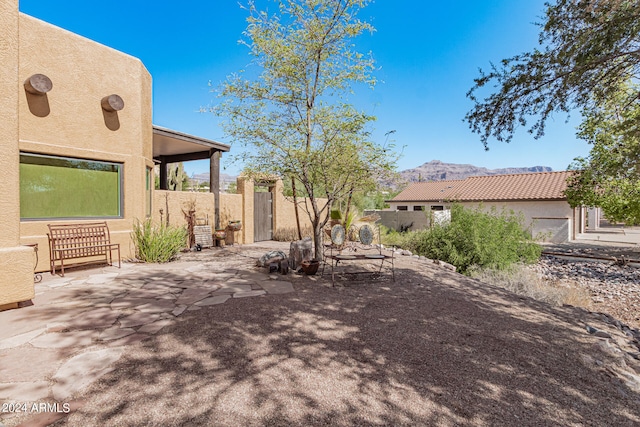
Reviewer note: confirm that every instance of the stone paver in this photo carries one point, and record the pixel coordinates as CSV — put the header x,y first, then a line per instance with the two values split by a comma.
x,y
64,339
153,328
57,326
231,289
115,333
27,363
276,286
179,310
28,391
190,296
128,340
82,370
157,306
79,325
101,278
18,340
130,302
248,294
138,319
102,317
219,299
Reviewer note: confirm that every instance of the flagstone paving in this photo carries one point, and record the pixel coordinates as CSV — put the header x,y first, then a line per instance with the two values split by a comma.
x,y
79,325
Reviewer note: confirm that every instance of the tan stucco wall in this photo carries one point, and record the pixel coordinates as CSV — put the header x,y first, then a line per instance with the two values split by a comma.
x,y
285,215
231,208
179,201
83,72
16,262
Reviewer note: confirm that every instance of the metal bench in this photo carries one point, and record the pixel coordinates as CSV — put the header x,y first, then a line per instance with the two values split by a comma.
x,y
342,249
74,241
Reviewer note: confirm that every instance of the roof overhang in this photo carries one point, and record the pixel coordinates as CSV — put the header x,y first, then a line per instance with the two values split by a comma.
x,y
172,146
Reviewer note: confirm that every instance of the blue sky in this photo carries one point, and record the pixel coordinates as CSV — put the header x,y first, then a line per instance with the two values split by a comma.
x,y
428,53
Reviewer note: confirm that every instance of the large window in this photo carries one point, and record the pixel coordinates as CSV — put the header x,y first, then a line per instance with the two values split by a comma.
x,y
59,187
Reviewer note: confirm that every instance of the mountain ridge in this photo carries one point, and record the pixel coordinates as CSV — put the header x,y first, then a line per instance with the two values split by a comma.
x,y
436,170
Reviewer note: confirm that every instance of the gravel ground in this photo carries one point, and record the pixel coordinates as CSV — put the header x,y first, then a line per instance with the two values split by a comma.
x,y
433,348
614,289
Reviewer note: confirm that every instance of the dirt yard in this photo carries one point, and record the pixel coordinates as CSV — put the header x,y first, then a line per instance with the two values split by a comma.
x,y
433,348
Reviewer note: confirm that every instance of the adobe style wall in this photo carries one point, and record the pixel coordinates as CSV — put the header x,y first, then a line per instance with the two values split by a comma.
x,y
16,261
233,207
70,121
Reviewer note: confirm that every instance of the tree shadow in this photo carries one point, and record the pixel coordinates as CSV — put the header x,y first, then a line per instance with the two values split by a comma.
x,y
435,348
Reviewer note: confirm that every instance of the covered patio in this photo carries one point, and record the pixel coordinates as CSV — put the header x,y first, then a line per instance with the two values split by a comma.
x,y
170,146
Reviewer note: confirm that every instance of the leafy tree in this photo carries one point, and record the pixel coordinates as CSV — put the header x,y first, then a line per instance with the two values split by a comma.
x,y
588,49
610,176
294,116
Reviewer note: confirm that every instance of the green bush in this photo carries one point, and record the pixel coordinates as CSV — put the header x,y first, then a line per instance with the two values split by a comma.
x,y
477,238
157,243
391,237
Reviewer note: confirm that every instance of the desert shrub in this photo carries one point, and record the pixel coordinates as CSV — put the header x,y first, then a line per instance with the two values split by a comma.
x,y
474,237
155,243
522,281
391,237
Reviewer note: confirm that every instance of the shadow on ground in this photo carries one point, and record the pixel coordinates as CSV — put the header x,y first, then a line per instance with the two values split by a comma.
x,y
434,348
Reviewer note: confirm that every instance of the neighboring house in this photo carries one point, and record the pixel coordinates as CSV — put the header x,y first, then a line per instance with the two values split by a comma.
x,y
539,196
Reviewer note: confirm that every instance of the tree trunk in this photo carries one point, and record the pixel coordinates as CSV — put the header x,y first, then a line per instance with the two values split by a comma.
x,y
346,214
317,241
295,207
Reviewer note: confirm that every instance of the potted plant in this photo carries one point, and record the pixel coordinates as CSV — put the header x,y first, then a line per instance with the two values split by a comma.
x,y
310,266
235,225
220,234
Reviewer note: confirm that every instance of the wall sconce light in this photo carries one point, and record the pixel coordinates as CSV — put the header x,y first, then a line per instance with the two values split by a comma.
x,y
112,103
38,84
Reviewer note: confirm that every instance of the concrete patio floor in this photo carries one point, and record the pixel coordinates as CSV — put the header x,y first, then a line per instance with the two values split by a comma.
x,y
80,324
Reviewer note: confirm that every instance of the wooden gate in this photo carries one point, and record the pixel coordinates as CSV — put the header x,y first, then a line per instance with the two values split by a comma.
x,y
262,216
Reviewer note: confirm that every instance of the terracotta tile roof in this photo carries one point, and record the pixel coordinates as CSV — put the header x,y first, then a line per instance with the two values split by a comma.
x,y
434,190
527,186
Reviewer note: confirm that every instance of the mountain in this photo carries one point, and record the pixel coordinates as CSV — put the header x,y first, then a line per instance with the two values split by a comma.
x,y
225,179
436,170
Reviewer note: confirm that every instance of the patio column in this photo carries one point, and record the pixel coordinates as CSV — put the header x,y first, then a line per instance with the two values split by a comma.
x,y
214,183
164,172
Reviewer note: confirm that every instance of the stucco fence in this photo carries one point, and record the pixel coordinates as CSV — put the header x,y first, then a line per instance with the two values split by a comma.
x,y
233,207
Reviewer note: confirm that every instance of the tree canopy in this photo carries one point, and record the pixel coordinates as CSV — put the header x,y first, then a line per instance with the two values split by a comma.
x,y
589,60
610,176
588,49
293,114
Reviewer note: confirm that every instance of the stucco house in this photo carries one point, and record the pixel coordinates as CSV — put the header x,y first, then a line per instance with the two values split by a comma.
x,y
78,144
539,196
